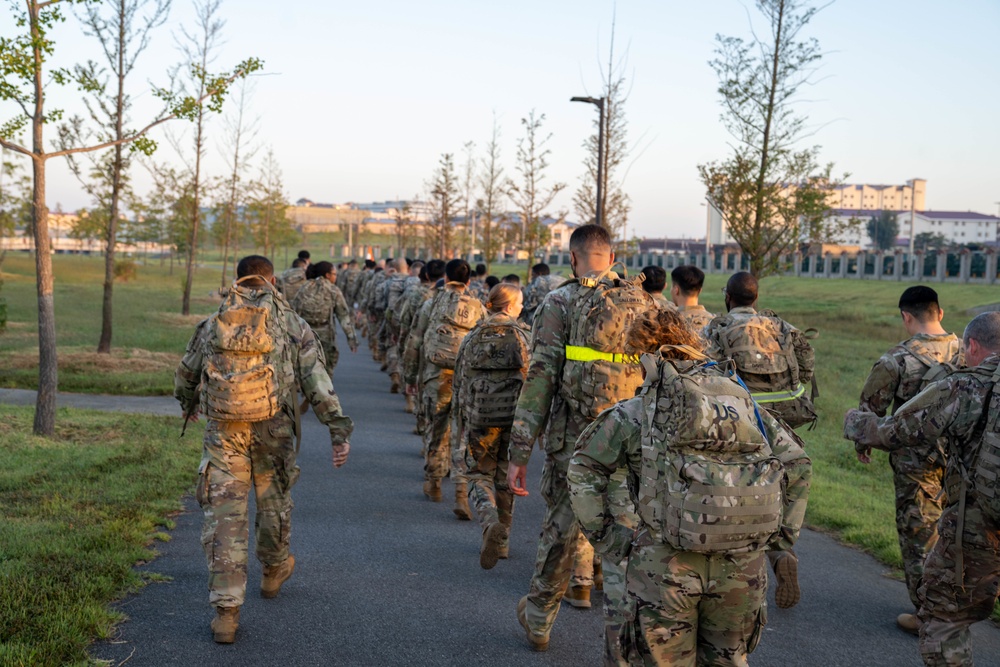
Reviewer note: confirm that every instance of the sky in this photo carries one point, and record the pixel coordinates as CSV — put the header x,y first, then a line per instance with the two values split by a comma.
x,y
358,100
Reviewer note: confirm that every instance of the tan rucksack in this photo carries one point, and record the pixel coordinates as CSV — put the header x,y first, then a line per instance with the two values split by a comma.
x,y
708,481
498,354
936,370
314,302
452,316
598,373
292,281
239,379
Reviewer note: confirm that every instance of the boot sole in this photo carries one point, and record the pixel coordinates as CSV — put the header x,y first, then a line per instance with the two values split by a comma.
x,y
578,604
462,514
272,591
536,643
491,547
787,593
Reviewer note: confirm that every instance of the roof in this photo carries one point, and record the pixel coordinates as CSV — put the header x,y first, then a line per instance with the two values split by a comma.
x,y
957,215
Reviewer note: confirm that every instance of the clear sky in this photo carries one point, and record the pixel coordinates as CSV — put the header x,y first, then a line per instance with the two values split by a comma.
x,y
361,98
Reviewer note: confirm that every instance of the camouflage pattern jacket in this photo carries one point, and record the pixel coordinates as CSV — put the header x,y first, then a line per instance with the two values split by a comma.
x,y
413,298
298,361
805,356
614,441
535,293
413,360
339,310
662,302
372,294
696,317
291,281
478,289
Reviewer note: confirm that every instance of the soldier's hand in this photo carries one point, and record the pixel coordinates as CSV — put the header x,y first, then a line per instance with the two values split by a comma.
x,y
517,479
864,454
340,452
411,390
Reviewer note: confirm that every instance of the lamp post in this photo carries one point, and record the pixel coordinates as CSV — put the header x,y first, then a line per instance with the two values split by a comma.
x,y
599,204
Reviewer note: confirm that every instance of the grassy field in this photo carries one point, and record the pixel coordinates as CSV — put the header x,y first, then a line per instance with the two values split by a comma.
x,y
80,510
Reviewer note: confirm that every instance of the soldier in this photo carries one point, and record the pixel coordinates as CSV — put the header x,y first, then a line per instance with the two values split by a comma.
x,y
655,282
578,368
292,280
251,431
319,303
477,284
961,576
378,304
685,288
512,279
368,308
305,257
345,279
413,299
776,362
917,473
390,302
434,341
698,587
542,282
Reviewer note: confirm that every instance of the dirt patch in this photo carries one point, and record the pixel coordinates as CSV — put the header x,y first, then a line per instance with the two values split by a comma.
x,y
78,360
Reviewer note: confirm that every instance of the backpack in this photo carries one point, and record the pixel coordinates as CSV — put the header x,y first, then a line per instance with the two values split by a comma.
x,y
936,370
498,354
239,378
292,281
708,481
314,303
394,296
452,316
598,373
984,474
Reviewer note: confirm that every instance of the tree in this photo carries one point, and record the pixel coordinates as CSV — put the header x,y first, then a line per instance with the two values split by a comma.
x,y
404,228
767,188
23,79
468,184
240,136
268,208
530,196
883,230
447,201
491,205
925,241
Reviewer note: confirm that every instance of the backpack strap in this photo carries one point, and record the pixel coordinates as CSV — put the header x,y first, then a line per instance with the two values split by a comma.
x,y
593,282
269,287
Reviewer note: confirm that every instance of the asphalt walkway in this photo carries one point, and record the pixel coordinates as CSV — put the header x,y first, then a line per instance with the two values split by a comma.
x,y
384,577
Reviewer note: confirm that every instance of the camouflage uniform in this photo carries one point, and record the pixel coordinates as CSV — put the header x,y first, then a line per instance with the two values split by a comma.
x,y
663,302
238,454
484,448
394,288
918,472
327,295
952,598
697,317
685,608
374,316
535,293
413,299
291,281
477,288
545,406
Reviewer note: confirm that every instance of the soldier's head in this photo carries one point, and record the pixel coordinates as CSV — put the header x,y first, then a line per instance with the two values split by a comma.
x,y
369,264
540,269
505,298
656,279
435,270
458,271
982,338
655,328
512,279
299,263
741,290
400,265
322,270
416,268
423,273
255,265
492,281
590,250
304,256
352,264
685,285
919,307
480,270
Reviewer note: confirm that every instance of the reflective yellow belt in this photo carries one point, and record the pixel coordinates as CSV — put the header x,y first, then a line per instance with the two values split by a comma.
x,y
578,353
777,396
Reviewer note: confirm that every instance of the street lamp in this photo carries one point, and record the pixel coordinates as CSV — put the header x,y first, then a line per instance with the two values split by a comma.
x,y
599,204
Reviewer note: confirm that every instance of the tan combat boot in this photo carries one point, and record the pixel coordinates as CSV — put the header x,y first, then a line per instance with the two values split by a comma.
x,y
225,623
578,596
537,642
275,576
598,575
432,489
411,405
910,623
394,389
493,538
462,509
786,572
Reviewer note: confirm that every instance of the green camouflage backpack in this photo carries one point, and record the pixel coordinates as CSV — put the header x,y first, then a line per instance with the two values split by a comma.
x,y
708,479
498,356
314,303
394,295
452,316
936,369
239,377
598,373
984,474
292,281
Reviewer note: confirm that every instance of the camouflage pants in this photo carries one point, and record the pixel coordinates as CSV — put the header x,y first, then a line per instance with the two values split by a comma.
x,y
392,348
437,408
694,609
948,606
236,455
383,336
486,458
328,341
585,563
919,503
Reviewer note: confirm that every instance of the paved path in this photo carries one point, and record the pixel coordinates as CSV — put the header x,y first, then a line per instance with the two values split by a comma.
x,y
385,577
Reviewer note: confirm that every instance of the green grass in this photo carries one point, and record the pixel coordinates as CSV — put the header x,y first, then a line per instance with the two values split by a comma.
x,y
80,510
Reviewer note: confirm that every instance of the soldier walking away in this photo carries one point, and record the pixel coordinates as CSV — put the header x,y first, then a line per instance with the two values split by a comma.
x,y
654,283
917,472
961,577
697,577
542,282
305,257
292,280
413,299
391,301
578,368
489,371
246,362
477,284
320,303
776,362
442,324
686,283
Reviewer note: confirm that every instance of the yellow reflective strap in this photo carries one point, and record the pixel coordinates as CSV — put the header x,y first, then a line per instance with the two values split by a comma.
x,y
778,396
580,353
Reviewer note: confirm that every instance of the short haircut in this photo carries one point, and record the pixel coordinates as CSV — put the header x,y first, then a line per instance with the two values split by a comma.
x,y
742,289
417,264
689,279
921,302
458,271
370,264
656,279
512,278
985,330
590,238
400,264
318,270
492,281
304,254
353,262
298,263
540,269
435,269
480,269
255,265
